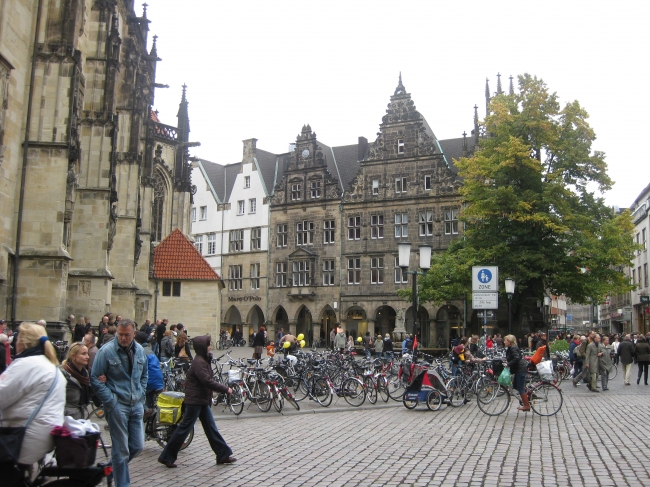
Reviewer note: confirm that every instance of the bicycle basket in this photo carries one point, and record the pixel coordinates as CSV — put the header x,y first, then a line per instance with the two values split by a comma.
x,y
76,452
169,407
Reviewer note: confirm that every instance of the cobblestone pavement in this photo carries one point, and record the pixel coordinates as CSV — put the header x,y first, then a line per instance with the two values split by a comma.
x,y
596,439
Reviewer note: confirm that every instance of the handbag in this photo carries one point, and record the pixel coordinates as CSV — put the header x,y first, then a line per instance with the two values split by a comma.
x,y
11,437
505,378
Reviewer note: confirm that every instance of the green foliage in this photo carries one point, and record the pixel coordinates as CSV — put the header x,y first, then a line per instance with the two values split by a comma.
x,y
529,207
559,346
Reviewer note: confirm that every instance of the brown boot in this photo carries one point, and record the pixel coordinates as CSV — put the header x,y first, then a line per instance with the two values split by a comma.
x,y
526,406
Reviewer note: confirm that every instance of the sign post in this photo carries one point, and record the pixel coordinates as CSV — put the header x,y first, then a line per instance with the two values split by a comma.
x,y
485,291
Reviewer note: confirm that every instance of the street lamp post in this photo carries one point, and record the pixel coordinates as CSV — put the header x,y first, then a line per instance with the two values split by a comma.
x,y
547,304
510,290
404,256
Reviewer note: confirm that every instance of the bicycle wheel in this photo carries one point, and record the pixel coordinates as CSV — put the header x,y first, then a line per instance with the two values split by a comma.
x,y
395,387
546,399
320,390
290,399
493,398
371,390
97,413
382,388
163,433
352,391
236,400
262,396
297,387
614,371
409,403
455,393
434,400
278,400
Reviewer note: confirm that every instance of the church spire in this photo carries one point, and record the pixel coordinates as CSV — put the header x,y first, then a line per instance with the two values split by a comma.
x,y
400,90
499,90
512,88
183,117
154,51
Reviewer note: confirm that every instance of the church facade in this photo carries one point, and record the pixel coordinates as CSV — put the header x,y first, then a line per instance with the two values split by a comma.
x,y
91,180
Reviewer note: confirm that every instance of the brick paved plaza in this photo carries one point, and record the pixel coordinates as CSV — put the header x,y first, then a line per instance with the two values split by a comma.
x,y
386,444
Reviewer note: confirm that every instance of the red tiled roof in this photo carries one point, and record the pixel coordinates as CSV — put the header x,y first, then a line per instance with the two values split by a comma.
x,y
177,258
154,116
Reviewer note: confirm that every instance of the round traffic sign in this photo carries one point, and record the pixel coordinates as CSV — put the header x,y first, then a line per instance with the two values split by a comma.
x,y
484,276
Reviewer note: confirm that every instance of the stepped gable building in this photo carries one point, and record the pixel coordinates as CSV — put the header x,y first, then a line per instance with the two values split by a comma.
x,y
92,181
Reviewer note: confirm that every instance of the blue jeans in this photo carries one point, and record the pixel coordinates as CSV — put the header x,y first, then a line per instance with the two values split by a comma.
x,y
190,415
368,354
519,382
127,436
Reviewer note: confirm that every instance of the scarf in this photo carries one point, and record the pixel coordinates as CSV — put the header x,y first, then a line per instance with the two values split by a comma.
x,y
82,376
31,352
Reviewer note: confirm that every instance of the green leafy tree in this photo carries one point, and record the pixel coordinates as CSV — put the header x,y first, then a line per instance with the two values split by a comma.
x,y
530,206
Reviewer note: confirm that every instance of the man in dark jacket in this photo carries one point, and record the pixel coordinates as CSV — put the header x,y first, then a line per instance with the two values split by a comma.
x,y
161,328
626,356
198,398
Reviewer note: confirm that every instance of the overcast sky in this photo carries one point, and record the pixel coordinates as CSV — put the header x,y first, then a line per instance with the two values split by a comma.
x,y
263,69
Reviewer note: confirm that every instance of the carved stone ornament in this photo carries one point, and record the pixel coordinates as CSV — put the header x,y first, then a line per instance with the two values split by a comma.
x,y
112,227
138,243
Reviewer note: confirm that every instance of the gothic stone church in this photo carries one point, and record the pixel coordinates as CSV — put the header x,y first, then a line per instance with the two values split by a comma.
x,y
90,180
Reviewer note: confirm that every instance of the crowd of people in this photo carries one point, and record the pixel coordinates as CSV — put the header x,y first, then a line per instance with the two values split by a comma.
x,y
116,365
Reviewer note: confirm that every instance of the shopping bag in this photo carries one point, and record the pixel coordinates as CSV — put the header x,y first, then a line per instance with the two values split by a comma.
x,y
545,370
504,378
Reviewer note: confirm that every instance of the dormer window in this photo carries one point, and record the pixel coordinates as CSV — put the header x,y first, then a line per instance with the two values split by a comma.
x,y
315,189
296,192
400,146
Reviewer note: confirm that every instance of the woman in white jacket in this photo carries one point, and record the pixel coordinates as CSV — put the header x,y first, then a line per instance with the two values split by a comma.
x,y
24,385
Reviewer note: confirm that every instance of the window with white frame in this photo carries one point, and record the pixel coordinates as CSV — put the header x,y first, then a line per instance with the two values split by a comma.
x,y
204,213
255,276
198,243
400,185
401,276
305,233
301,275
314,190
354,228
401,224
427,183
234,278
451,221
328,272
252,205
354,270
375,187
241,207
376,270
400,146
193,214
281,274
296,192
376,226
247,181
282,234
328,231
212,243
426,223
256,238
236,240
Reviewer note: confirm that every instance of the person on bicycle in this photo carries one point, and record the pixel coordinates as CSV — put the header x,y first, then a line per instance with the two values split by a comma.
x,y
517,365
198,398
78,391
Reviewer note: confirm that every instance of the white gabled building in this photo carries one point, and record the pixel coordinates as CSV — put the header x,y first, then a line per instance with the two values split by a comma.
x,y
230,227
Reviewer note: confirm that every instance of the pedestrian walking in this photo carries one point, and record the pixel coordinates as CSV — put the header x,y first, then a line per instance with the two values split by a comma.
x,y
615,346
580,353
259,341
379,346
642,355
198,398
75,370
123,363
626,356
367,343
606,365
339,339
388,346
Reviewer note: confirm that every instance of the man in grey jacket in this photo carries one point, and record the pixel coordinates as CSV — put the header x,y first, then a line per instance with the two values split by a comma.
x,y
123,364
339,339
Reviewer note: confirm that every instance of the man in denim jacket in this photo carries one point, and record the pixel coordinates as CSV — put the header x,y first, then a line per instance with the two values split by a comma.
x,y
119,378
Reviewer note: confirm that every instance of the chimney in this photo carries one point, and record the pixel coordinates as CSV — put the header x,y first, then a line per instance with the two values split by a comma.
x,y
250,151
362,148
